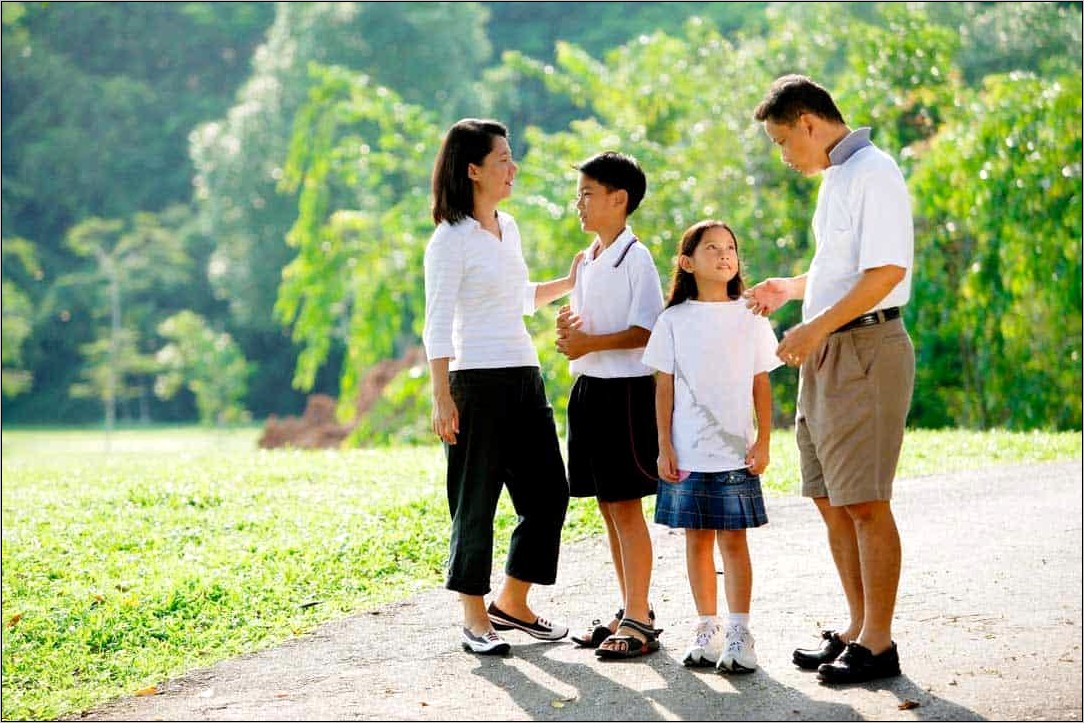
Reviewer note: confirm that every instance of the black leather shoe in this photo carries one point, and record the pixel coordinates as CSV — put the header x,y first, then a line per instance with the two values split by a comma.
x,y
813,658
858,665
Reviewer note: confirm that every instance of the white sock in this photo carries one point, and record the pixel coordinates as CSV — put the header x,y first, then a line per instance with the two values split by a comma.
x,y
738,619
709,619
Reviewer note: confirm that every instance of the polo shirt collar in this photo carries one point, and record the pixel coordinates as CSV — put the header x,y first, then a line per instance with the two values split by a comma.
x,y
619,244
853,142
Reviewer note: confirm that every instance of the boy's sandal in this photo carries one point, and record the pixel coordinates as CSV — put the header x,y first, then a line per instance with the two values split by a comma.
x,y
597,633
630,646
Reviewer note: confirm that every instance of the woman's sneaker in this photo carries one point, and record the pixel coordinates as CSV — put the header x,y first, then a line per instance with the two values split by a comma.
x,y
541,628
488,644
706,648
739,653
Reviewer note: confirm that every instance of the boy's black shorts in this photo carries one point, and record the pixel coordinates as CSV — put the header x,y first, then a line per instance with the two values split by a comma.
x,y
613,441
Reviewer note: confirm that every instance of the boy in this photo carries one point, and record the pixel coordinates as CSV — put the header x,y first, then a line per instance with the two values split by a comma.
x,y
612,437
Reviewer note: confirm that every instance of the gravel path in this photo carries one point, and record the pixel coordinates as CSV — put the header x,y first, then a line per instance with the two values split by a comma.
x,y
988,626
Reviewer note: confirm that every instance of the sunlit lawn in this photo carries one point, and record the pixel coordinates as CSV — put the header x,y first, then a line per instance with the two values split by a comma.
x,y
179,547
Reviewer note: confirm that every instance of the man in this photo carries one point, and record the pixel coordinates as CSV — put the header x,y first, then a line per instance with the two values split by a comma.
x,y
856,360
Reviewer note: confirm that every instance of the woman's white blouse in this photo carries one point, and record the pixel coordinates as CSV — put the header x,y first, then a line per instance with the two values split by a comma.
x,y
476,294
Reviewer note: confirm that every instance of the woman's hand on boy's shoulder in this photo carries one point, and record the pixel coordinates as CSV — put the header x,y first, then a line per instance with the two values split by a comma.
x,y
575,268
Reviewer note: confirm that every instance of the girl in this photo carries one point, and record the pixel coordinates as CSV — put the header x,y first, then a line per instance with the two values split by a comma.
x,y
489,403
713,356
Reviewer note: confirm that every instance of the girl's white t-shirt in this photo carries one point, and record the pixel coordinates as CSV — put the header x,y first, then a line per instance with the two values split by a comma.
x,y
713,349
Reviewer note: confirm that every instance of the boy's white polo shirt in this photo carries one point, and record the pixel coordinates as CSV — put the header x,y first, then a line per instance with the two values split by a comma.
x,y
610,297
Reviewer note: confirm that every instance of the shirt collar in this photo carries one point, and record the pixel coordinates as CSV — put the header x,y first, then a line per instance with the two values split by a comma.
x,y
852,143
474,225
620,242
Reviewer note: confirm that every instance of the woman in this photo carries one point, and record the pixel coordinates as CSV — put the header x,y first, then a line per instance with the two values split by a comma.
x,y
489,403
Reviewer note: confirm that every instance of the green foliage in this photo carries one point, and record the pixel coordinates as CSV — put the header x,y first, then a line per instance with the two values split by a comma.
x,y
361,157
901,76
18,315
657,98
1041,37
257,214
106,130
400,416
240,158
186,547
208,363
129,259
998,284
114,370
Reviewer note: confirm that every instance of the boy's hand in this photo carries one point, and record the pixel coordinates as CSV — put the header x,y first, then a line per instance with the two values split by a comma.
x,y
757,457
571,342
563,316
668,469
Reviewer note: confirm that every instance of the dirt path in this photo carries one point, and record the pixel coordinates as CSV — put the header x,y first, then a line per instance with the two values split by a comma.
x,y
988,625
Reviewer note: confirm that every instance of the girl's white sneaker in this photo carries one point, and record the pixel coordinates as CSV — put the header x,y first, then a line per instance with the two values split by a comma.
x,y
739,653
706,648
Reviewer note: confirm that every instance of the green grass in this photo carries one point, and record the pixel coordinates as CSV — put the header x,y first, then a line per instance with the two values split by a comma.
x,y
178,548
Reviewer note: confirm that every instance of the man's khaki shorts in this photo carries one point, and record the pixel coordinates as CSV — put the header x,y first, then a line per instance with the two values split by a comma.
x,y
853,396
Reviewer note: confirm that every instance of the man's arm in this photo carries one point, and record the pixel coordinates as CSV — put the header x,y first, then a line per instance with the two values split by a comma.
x,y
770,294
875,284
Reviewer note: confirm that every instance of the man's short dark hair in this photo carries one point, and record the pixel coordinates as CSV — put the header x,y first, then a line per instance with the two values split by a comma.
x,y
616,171
792,95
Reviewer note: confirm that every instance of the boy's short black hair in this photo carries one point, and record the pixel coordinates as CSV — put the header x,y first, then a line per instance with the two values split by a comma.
x,y
792,95
617,171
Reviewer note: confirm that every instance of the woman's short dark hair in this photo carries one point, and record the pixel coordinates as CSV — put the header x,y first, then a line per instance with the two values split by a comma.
x,y
792,95
468,141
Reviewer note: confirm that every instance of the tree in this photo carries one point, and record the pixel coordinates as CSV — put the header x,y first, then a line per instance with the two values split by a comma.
x,y
206,362
112,372
361,151
361,158
240,159
18,314
98,103
129,257
998,283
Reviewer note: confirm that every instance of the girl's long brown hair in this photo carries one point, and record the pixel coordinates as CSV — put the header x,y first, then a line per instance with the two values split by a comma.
x,y
683,284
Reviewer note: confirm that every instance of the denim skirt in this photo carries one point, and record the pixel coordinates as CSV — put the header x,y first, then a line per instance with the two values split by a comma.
x,y
712,501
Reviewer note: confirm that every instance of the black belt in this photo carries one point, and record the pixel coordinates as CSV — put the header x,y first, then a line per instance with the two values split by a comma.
x,y
871,319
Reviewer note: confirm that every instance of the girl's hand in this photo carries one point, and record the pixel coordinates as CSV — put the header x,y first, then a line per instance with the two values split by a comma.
x,y
445,418
668,469
757,457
